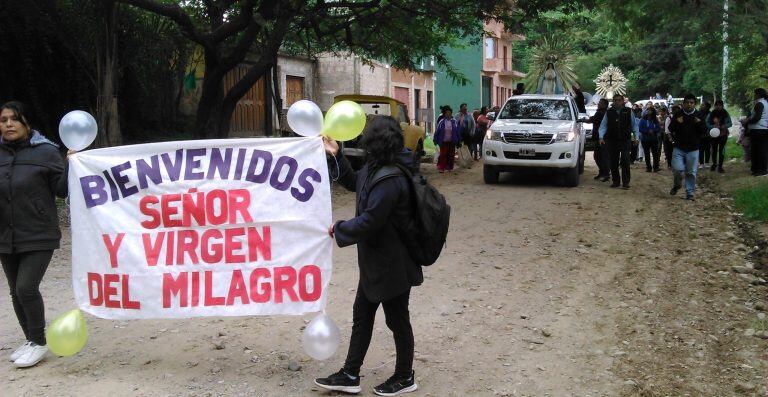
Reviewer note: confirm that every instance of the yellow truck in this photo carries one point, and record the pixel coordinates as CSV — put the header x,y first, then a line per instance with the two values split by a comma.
x,y
375,105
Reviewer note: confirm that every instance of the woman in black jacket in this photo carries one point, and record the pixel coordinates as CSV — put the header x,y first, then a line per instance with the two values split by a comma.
x,y
387,273
32,174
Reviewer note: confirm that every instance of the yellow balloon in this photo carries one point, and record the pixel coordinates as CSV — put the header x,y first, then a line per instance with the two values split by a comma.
x,y
67,334
344,121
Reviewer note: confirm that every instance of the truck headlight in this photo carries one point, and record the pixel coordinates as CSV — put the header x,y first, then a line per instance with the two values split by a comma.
x,y
493,135
566,136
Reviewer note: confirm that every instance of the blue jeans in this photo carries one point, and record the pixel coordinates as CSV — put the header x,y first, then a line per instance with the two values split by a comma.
x,y
685,164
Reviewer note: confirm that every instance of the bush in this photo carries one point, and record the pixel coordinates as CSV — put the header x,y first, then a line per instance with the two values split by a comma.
x,y
753,201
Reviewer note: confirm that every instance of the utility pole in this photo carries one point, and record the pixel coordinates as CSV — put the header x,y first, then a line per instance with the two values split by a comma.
x,y
725,50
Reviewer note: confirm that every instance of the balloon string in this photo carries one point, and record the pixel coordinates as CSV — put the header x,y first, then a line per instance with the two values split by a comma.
x,y
338,171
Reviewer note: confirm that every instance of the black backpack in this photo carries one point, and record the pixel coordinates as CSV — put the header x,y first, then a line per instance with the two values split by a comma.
x,y
425,236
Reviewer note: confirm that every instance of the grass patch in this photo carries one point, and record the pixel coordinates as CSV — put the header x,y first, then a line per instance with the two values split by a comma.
x,y
733,150
753,201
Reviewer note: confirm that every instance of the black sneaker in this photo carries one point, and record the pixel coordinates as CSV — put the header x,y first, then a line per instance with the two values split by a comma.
x,y
615,184
713,167
598,176
625,186
397,385
605,179
340,381
690,197
720,170
674,190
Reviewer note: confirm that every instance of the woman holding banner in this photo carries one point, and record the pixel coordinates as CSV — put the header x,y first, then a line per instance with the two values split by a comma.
x,y
387,272
32,174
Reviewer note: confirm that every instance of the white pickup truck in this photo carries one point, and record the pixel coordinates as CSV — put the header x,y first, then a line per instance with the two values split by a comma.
x,y
536,131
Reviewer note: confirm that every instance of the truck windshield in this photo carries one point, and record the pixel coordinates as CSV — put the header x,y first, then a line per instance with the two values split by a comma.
x,y
536,109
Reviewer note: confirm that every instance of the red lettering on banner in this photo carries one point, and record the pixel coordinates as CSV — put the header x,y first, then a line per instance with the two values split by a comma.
x,y
103,288
113,247
146,209
95,286
231,245
210,209
110,291
210,252
237,289
285,280
152,251
168,209
239,201
185,247
194,208
263,296
170,237
195,289
176,287
257,243
211,300
313,272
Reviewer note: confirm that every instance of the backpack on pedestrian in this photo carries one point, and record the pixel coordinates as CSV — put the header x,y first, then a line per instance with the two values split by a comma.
x,y
425,237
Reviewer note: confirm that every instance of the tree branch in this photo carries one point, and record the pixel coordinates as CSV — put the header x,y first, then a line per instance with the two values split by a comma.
x,y
175,13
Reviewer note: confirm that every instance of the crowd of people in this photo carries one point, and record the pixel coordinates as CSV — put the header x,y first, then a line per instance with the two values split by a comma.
x,y
690,138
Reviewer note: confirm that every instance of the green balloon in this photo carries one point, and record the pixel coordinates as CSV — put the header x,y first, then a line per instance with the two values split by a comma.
x,y
344,121
67,334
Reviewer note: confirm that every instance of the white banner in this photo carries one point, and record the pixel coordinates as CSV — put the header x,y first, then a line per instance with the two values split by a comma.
x,y
201,228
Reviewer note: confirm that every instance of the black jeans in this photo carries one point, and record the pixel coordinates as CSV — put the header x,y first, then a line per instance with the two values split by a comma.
x,y
668,148
618,153
601,160
651,148
399,322
24,272
718,150
759,145
705,150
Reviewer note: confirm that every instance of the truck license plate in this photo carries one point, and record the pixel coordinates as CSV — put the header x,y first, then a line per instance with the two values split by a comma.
x,y
528,152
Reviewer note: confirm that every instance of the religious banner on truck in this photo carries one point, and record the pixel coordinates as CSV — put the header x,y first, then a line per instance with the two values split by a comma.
x,y
201,228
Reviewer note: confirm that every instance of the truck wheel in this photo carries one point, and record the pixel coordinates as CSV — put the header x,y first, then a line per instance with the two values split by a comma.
x,y
417,155
490,175
582,160
572,177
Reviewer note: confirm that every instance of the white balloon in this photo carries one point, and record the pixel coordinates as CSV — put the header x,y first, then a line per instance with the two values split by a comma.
x,y
321,338
305,118
78,129
714,133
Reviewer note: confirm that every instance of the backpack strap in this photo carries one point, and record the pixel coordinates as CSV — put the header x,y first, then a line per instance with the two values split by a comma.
x,y
380,174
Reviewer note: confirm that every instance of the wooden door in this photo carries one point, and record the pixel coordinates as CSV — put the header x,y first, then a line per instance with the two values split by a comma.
x,y
250,111
294,90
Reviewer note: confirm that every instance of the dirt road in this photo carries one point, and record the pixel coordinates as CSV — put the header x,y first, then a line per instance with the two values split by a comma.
x,y
542,291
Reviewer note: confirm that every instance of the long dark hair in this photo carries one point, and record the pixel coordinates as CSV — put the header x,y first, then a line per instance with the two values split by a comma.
x,y
382,141
18,110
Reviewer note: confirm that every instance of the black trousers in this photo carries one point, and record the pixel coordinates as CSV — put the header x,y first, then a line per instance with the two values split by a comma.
x,y
601,159
24,272
705,150
668,149
718,150
618,154
759,145
651,148
399,322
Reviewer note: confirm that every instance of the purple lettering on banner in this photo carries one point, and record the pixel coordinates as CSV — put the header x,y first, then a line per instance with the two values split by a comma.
x,y
239,166
152,172
262,176
304,182
93,190
193,163
112,186
122,180
219,164
283,161
173,168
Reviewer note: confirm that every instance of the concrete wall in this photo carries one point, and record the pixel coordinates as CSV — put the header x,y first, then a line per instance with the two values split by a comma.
x,y
340,75
468,61
299,67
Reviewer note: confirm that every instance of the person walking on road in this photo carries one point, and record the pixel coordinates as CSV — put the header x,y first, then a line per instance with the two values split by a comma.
x,y
687,128
757,131
387,272
600,153
35,174
720,119
618,131
649,138
705,152
447,138
666,140
481,126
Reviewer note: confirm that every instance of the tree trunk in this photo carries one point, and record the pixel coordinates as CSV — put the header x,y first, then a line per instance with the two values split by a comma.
x,y
107,115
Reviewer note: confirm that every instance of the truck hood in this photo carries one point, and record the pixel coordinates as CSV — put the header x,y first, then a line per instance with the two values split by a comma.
x,y
533,125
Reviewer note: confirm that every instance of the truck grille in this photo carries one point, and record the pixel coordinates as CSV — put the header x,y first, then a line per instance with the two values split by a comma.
x,y
526,137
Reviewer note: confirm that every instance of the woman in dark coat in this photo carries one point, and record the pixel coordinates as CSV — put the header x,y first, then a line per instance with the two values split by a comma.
x,y
32,174
387,273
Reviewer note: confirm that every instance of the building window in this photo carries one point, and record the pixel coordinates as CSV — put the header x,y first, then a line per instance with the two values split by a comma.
x,y
490,45
294,90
